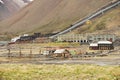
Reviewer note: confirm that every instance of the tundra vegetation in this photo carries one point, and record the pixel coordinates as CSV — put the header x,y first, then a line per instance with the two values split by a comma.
x,y
108,22
58,72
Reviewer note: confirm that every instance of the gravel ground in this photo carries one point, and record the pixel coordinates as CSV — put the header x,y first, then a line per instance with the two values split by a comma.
x,y
97,61
112,59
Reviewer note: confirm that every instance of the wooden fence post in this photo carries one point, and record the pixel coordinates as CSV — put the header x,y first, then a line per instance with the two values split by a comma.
x,y
40,51
30,53
9,51
20,52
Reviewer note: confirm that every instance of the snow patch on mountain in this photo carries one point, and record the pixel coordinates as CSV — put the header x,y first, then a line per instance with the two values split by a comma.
x,y
20,3
9,7
1,2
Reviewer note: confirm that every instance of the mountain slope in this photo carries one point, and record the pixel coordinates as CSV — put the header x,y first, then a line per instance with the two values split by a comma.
x,y
106,23
48,16
9,7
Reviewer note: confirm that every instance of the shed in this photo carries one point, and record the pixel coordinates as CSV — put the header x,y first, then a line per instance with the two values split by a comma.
x,y
45,52
62,53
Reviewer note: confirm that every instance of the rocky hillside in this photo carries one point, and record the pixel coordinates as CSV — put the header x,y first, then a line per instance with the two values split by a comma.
x,y
106,23
50,16
9,7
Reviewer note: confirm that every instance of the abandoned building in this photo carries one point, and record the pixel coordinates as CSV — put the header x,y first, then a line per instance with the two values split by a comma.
x,y
82,38
62,53
93,46
101,37
86,38
101,45
25,38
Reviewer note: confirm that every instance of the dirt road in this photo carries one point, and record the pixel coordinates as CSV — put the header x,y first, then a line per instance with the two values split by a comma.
x,y
97,61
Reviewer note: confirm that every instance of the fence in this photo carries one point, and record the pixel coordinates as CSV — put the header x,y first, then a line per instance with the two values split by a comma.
x,y
20,52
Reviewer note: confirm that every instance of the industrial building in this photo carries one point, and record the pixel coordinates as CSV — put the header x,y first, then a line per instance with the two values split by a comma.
x,y
101,45
86,38
82,38
101,37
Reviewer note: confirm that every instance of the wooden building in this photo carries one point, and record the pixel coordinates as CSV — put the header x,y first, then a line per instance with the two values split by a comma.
x,y
62,53
93,46
105,45
101,45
